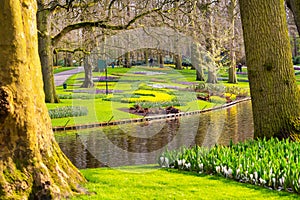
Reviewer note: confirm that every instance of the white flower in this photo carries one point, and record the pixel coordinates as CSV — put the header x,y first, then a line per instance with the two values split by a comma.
x,y
262,181
274,180
255,175
164,161
229,172
280,182
179,162
238,171
251,176
201,166
188,165
218,169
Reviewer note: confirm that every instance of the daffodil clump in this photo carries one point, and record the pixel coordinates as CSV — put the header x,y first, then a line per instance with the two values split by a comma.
x,y
269,163
148,96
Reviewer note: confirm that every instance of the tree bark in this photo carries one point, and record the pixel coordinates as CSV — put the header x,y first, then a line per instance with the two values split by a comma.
x,y
127,60
232,68
88,75
294,6
196,62
178,62
210,47
32,165
146,56
275,95
45,53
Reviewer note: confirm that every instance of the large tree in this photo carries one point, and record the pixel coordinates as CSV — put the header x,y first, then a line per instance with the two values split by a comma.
x,y
275,95
294,5
32,166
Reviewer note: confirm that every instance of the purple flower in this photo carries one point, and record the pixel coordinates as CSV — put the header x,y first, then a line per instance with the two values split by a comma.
x,y
186,83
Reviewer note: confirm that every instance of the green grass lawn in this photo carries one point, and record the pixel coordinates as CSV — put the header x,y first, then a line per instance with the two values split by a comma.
x,y
149,182
101,110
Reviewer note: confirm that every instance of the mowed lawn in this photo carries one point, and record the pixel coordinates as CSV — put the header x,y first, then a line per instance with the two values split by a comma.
x,y
150,182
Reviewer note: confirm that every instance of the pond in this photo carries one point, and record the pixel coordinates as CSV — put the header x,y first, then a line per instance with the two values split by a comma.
x,y
142,143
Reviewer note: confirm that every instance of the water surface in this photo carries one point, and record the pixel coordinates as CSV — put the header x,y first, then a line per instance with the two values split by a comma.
x,y
142,143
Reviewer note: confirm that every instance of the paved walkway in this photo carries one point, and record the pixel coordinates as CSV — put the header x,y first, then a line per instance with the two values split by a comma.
x,y
61,77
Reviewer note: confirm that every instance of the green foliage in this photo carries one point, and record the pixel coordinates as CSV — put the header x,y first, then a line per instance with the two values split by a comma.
x,y
81,96
68,111
273,163
296,60
238,91
217,100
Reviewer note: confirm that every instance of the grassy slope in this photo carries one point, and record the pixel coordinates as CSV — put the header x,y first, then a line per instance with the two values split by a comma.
x,y
140,182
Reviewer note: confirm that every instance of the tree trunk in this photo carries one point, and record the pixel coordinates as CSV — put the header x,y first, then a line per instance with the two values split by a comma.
x,y
196,62
275,95
294,6
232,68
127,63
45,53
161,59
210,47
146,56
32,165
178,62
88,74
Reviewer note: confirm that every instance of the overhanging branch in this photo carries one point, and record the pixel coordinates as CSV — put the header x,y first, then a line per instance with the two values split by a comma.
x,y
100,24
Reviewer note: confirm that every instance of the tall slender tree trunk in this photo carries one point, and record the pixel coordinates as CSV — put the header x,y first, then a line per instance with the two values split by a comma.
x,y
195,48
146,56
32,165
210,47
232,68
274,92
45,53
161,59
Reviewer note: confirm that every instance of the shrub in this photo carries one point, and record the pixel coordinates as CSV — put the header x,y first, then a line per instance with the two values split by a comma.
x,y
68,111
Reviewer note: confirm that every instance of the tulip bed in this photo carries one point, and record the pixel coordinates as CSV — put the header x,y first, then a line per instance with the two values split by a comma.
x,y
68,111
269,163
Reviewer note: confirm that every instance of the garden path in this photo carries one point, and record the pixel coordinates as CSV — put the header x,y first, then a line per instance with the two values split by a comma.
x,y
61,77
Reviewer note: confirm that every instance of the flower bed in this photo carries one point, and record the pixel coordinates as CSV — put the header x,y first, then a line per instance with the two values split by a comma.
x,y
68,111
273,164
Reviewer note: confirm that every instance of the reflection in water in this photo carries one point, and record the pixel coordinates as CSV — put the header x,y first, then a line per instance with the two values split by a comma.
x,y
142,143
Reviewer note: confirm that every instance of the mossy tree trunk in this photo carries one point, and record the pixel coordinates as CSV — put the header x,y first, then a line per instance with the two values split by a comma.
x,y
46,52
32,165
275,95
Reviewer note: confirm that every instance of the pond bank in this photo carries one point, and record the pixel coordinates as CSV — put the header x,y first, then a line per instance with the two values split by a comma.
x,y
147,118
